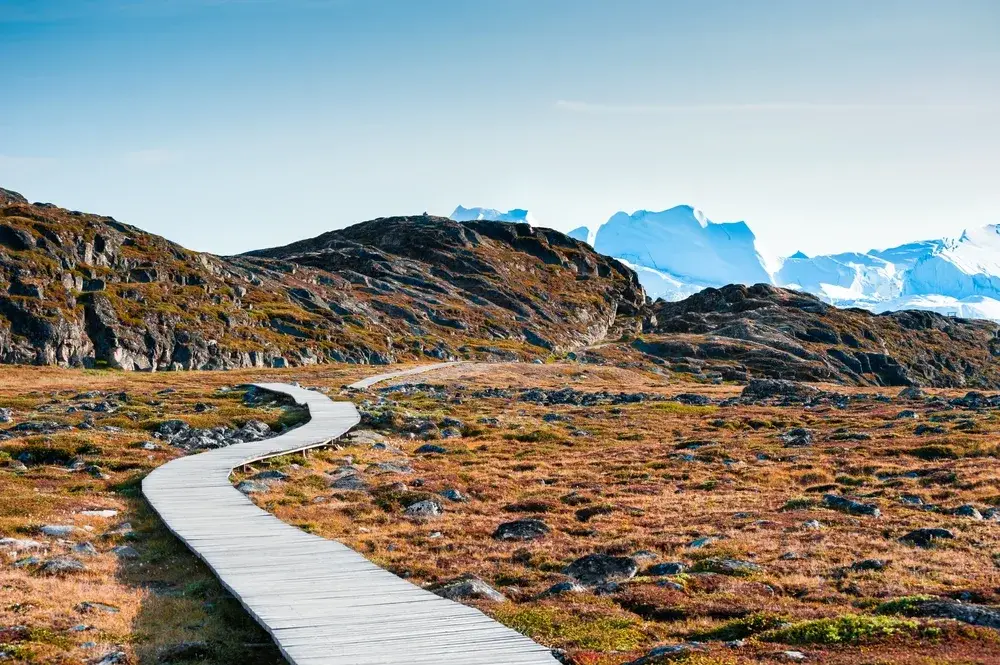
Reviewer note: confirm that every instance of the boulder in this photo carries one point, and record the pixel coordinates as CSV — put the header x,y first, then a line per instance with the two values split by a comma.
x,y
525,529
597,569
468,587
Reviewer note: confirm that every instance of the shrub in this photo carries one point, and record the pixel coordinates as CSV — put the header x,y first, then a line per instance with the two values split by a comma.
x,y
742,628
905,605
935,451
847,629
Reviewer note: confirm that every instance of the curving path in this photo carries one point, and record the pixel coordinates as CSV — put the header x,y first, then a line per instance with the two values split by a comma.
x,y
323,603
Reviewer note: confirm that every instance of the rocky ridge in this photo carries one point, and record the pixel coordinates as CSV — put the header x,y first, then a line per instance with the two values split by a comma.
x,y
86,290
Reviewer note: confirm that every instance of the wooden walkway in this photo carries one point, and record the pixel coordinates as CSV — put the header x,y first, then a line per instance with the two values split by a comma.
x,y
323,603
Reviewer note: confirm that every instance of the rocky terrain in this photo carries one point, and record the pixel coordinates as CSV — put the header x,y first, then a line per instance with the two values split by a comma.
x,y
738,332
86,290
625,519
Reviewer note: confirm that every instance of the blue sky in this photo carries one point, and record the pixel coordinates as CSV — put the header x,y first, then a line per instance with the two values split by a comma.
x,y
233,124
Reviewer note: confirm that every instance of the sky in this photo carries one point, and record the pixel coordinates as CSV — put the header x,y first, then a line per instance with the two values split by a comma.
x,y
228,125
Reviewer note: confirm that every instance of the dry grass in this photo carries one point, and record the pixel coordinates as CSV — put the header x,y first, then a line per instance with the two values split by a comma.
x,y
667,474
166,596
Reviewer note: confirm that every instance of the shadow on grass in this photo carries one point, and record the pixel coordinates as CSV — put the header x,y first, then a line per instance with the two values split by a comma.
x,y
186,616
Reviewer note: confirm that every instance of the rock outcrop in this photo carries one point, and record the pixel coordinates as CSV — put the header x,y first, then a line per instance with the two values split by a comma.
x,y
86,290
745,332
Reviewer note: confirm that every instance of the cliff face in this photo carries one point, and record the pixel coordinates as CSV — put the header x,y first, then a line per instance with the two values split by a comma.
x,y
86,290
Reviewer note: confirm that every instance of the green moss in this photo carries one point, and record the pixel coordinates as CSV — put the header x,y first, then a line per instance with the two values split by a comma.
x,y
681,409
935,452
552,626
847,629
905,605
800,503
742,628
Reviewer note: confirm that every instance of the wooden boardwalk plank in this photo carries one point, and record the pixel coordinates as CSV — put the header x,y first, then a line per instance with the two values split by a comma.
x,y
322,603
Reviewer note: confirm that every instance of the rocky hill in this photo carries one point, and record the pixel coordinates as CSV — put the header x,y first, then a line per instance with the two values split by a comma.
x,y
740,332
86,290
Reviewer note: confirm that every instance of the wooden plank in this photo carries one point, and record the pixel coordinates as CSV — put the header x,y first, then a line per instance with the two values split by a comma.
x,y
321,602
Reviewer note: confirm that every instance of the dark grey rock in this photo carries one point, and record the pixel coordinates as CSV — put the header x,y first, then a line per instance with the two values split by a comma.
x,y
926,537
63,565
468,587
525,529
596,569
667,568
845,505
425,509
667,652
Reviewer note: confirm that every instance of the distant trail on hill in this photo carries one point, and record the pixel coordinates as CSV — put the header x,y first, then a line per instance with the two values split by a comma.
x,y
323,603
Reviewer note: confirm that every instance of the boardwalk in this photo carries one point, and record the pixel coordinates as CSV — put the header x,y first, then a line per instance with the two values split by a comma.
x,y
323,603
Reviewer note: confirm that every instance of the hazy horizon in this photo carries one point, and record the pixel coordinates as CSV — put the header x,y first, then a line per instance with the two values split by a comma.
x,y
229,125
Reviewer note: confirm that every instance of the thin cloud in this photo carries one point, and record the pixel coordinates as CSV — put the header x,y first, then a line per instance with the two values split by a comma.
x,y
766,107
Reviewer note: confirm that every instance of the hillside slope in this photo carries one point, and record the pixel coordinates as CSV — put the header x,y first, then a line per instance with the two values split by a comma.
x,y
86,290
739,333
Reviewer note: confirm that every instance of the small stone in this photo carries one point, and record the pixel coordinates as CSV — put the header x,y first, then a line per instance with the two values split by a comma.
x,y
561,588
63,565
468,587
350,482
57,530
525,529
870,565
85,549
970,511
926,537
113,658
699,543
105,513
454,495
17,544
667,568
912,392
813,525
271,475
851,506
907,415
667,652
125,552
596,569
391,467
726,566
424,509
86,607
793,655
430,449
797,437
253,487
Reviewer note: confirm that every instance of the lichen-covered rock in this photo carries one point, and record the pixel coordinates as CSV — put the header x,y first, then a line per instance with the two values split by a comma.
x,y
468,587
526,529
926,537
597,569
847,505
